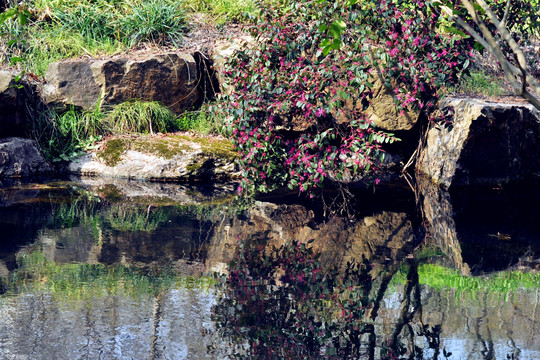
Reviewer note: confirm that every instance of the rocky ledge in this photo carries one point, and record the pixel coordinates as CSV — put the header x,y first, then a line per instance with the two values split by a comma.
x,y
487,143
172,157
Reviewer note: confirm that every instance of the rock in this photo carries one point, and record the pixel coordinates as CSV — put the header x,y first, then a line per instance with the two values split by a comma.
x,y
12,106
488,143
170,78
223,51
383,110
173,158
21,158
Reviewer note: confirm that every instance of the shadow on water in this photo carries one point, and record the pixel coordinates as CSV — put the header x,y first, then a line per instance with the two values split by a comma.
x,y
124,270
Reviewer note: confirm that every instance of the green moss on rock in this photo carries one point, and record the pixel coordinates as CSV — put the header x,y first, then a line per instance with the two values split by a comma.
x,y
113,150
167,148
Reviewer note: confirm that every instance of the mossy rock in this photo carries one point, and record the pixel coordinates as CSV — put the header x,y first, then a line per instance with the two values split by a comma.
x,y
166,148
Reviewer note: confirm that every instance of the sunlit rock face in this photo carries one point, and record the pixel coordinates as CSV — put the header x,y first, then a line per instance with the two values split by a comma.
x,y
170,78
486,143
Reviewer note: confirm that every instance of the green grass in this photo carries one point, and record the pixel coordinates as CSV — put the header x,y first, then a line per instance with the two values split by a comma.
x,y
499,285
67,135
155,21
140,117
74,28
222,11
61,29
505,282
199,121
480,84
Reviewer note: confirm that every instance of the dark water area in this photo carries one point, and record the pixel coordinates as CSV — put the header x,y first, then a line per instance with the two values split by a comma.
x,y
131,270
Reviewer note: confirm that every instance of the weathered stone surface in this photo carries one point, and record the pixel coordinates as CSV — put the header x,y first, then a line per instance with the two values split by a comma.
x,y
12,110
21,157
383,110
223,51
383,236
170,78
488,143
189,161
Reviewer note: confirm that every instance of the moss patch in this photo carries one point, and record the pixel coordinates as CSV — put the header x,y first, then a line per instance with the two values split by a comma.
x,y
113,150
165,148
212,147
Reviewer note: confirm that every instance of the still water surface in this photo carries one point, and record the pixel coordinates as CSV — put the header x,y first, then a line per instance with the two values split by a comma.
x,y
129,270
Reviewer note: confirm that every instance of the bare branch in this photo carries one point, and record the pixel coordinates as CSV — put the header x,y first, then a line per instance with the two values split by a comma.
x,y
506,13
505,33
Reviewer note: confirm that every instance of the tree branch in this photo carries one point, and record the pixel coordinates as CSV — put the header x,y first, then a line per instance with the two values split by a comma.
x,y
506,13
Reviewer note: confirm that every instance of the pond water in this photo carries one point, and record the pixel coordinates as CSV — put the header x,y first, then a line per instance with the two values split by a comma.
x,y
129,270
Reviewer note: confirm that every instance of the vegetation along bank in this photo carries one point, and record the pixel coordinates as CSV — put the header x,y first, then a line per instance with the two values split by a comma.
x,y
273,93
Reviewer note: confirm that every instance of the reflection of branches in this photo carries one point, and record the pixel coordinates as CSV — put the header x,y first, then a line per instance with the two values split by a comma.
x,y
279,304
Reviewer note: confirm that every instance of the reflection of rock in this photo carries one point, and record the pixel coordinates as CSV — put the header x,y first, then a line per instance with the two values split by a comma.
x,y
64,246
179,193
4,272
41,326
438,212
380,237
21,157
473,325
488,143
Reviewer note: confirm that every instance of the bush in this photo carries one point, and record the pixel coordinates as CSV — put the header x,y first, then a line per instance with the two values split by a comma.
x,y
296,112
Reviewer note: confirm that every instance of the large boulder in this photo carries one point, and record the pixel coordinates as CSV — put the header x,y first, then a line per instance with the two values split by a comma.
x,y
167,158
21,158
170,78
487,143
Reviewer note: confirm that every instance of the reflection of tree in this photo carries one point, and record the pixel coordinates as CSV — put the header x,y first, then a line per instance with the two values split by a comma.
x,y
280,304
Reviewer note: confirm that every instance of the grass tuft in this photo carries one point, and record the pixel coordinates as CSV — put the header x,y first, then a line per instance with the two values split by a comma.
x,y
156,21
67,135
140,117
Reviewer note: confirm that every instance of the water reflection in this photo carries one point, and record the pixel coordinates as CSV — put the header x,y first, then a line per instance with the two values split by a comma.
x,y
93,270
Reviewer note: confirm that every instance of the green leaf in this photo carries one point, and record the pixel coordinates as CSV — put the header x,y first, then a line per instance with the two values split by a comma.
x,y
23,17
478,47
337,28
9,13
336,44
326,42
326,50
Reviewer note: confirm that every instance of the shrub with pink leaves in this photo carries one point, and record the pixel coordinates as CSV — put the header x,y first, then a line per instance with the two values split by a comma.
x,y
296,113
